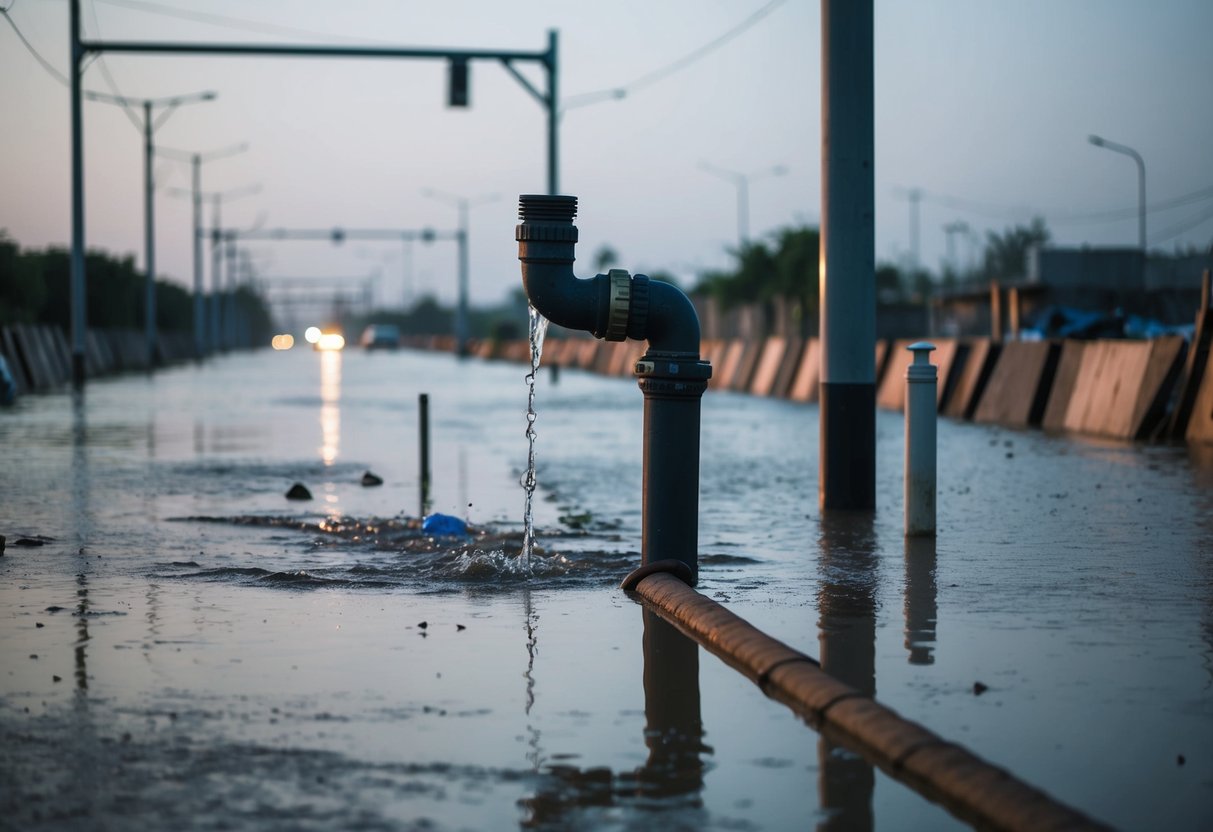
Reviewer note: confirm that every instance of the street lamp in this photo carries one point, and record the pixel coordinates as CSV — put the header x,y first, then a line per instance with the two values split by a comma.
x,y
463,203
742,183
196,160
1141,182
150,125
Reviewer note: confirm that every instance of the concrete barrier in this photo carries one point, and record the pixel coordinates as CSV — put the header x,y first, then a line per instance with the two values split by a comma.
x,y
751,351
1069,364
1123,387
980,355
730,362
1019,384
807,381
891,394
770,362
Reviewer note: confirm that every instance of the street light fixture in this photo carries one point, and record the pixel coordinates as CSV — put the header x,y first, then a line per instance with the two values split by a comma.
x,y
150,125
1099,141
742,183
463,203
196,160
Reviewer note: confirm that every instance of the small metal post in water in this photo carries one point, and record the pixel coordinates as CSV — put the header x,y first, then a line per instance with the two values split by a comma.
x,y
423,405
920,442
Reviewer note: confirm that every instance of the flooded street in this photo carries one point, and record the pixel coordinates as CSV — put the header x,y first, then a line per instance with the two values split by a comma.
x,y
183,647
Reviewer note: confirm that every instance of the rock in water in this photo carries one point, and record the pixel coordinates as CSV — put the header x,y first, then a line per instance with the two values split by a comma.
x,y
299,492
371,479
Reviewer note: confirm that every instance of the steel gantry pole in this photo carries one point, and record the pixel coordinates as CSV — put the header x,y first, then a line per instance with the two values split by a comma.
x,y
847,459
80,48
78,296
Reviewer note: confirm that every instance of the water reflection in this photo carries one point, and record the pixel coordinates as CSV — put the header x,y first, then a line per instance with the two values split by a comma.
x,y
673,723
847,604
330,405
672,777
920,604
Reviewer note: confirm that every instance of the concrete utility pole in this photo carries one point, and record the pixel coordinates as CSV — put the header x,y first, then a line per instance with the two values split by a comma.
x,y
847,464
150,125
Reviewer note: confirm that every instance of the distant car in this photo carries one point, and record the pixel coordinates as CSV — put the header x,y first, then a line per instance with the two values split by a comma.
x,y
380,337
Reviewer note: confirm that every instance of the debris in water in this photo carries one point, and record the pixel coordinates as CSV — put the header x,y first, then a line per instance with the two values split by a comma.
x,y
57,678
443,524
36,540
424,624
1,544
299,492
39,625
979,688
369,479
459,628
1180,760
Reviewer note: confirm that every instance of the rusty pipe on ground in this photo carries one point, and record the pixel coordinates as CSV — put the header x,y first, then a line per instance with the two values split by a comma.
x,y
617,306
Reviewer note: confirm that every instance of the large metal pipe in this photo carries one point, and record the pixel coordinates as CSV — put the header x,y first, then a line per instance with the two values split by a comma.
x,y
617,306
847,462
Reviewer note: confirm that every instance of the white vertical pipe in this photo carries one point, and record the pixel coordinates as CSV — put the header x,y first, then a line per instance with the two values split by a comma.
x,y
920,485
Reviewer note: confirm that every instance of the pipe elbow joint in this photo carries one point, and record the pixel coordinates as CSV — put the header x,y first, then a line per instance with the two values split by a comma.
x,y
613,306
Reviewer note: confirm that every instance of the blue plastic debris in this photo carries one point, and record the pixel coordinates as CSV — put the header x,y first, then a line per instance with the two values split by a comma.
x,y
443,525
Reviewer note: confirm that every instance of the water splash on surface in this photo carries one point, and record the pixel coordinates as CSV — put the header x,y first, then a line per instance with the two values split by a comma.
x,y
538,329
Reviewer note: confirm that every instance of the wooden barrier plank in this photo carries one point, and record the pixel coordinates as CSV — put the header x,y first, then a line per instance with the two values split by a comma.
x,y
8,346
1122,386
891,394
944,357
982,353
729,363
36,366
750,353
1019,384
1200,421
807,381
1064,380
788,367
769,362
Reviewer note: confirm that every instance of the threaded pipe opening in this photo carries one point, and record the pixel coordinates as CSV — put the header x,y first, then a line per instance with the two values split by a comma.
x,y
548,209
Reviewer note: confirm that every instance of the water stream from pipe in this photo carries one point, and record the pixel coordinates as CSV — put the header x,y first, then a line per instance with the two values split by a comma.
x,y
538,329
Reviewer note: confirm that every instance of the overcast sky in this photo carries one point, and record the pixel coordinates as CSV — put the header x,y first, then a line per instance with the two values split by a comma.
x,y
986,106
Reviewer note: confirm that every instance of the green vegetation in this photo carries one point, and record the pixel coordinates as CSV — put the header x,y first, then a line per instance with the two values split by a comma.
x,y
35,289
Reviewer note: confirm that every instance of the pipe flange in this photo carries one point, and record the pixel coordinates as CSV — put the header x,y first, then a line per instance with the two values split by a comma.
x,y
541,232
619,304
638,320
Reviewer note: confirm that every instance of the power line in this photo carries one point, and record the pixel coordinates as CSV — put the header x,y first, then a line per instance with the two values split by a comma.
x,y
1180,228
661,73
56,74
107,77
237,23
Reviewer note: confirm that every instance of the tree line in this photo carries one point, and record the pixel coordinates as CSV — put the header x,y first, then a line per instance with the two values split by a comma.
x,y
35,288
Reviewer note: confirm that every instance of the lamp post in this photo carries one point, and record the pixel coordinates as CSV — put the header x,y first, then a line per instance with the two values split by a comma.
x,y
742,182
150,125
463,203
1099,141
196,160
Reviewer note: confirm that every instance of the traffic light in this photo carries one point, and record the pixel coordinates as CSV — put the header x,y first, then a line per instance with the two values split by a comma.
x,y
457,89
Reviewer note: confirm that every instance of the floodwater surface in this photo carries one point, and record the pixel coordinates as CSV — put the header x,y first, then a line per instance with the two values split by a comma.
x,y
183,647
